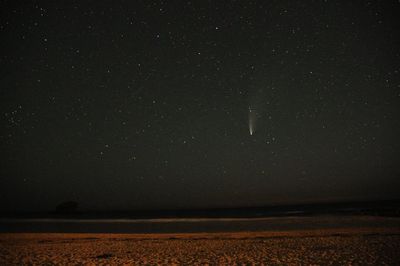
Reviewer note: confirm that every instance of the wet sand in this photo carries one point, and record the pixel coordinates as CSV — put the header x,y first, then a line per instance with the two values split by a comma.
x,y
378,245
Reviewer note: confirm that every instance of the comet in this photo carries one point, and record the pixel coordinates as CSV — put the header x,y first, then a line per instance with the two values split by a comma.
x,y
252,121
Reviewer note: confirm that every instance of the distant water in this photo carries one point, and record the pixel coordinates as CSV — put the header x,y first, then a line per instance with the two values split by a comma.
x,y
192,225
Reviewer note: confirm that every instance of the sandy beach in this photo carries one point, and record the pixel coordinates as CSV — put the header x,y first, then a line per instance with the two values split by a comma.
x,y
345,246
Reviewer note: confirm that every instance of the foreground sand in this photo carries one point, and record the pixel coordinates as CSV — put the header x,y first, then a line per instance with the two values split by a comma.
x,y
362,246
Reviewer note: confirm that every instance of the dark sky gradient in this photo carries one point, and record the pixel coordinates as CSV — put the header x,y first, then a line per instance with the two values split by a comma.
x,y
145,104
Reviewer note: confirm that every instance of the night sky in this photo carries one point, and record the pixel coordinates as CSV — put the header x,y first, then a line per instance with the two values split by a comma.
x,y
186,104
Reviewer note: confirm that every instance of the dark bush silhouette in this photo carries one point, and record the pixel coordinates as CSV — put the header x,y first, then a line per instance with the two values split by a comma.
x,y
67,206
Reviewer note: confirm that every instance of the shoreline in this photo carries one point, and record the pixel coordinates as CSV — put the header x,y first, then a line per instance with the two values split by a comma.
x,y
210,235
